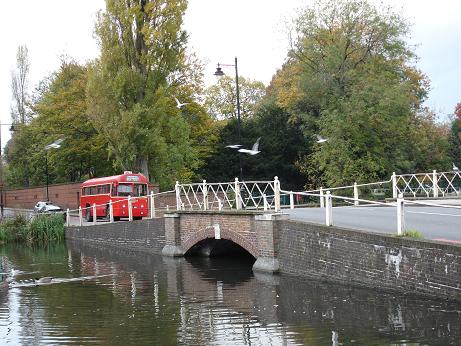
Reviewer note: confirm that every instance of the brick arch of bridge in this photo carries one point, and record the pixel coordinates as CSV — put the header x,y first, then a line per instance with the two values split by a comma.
x,y
209,232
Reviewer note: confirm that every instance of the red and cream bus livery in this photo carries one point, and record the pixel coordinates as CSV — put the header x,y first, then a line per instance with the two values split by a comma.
x,y
117,188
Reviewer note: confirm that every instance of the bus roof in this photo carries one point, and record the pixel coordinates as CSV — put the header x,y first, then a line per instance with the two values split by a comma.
x,y
127,176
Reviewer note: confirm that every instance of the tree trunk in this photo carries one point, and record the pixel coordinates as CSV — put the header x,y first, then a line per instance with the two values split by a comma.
x,y
142,165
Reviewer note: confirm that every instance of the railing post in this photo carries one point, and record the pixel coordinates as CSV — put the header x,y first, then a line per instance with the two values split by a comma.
x,y
238,202
394,185
80,216
205,195
219,204
178,196
435,184
356,194
292,200
111,212
400,215
328,209
130,209
152,205
277,193
67,218
94,214
322,199
265,204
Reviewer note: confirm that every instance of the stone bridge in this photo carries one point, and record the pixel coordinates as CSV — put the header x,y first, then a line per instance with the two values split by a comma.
x,y
252,231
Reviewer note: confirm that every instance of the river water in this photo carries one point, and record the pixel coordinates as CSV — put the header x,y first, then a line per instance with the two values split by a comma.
x,y
106,295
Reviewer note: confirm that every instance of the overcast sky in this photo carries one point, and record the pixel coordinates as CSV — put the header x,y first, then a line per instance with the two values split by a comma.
x,y
252,30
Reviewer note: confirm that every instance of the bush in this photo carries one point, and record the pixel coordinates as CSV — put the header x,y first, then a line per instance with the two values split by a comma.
x,y
41,229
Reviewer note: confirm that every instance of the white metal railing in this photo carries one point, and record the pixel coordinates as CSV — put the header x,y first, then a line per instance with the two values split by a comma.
x,y
267,195
230,195
435,184
75,216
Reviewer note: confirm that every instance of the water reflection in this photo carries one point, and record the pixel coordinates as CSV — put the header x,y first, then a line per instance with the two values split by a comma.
x,y
141,298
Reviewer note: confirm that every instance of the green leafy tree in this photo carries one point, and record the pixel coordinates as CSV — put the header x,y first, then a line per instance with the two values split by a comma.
x,y
350,77
60,109
221,98
130,94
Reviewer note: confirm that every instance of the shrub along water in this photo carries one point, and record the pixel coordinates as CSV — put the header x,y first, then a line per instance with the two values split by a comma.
x,y
40,229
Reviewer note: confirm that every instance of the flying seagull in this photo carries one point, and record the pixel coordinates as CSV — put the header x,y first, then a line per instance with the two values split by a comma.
x,y
456,169
253,150
234,146
55,145
321,139
179,104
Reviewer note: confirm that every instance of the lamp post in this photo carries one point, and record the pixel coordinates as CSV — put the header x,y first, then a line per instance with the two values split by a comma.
x,y
55,145
1,168
219,73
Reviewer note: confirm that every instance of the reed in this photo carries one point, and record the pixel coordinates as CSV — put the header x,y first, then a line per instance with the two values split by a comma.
x,y
40,229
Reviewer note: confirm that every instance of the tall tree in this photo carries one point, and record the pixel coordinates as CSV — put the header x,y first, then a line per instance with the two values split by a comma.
x,y
60,109
350,77
132,86
221,98
20,112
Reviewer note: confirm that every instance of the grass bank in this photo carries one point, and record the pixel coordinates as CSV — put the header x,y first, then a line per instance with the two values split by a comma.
x,y
40,229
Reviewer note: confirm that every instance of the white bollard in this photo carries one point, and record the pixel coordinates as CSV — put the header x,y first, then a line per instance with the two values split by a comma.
x,y
205,195
80,216
67,218
435,184
277,193
394,185
94,214
292,200
178,196
400,215
219,204
322,199
111,212
328,210
152,205
356,194
130,209
238,201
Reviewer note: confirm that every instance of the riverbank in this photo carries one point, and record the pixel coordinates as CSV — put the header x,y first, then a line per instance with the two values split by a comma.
x,y
38,229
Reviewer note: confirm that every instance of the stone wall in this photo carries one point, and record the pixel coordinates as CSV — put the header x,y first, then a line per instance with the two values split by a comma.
x,y
147,235
64,195
370,259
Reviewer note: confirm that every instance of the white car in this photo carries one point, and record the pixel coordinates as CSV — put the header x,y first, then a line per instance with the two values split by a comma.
x,y
46,207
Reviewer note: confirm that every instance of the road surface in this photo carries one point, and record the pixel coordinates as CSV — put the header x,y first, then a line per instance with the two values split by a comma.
x,y
433,222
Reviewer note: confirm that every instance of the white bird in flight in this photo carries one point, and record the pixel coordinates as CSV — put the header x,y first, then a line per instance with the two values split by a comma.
x,y
179,104
55,145
233,146
456,169
253,150
321,139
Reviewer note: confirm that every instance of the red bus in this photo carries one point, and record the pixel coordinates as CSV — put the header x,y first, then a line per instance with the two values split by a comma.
x,y
117,188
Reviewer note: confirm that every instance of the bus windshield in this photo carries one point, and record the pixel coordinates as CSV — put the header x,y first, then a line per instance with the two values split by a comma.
x,y
135,190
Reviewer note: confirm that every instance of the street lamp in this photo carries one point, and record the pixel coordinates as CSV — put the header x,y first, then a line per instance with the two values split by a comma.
x,y
55,145
1,167
219,73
